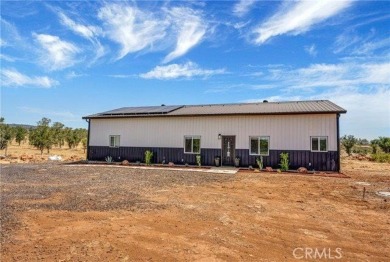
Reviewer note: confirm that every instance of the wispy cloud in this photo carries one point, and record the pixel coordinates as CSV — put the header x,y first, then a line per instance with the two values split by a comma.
x,y
9,33
89,32
311,50
331,76
86,31
56,54
242,7
187,70
7,58
131,28
191,30
13,78
49,113
73,74
122,76
298,17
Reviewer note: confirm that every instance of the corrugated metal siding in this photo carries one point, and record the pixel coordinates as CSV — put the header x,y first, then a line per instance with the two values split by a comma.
x,y
287,132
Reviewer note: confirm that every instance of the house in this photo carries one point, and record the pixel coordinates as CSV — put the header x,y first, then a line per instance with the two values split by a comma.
x,y
307,130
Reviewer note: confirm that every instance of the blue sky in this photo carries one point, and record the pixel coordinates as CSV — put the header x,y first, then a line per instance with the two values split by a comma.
x,y
64,60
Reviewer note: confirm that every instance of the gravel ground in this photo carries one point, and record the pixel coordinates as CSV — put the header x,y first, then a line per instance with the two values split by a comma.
x,y
72,188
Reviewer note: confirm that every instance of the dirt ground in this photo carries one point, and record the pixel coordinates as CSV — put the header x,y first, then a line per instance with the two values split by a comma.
x,y
26,153
56,212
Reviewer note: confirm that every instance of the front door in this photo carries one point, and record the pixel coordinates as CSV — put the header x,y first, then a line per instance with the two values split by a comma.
x,y
228,150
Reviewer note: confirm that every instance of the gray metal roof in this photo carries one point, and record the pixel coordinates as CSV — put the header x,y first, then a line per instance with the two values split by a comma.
x,y
264,108
144,110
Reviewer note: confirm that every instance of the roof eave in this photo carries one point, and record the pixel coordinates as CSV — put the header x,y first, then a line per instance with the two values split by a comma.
x,y
226,114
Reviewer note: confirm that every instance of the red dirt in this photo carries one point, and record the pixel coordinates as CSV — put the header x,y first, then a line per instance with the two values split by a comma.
x,y
188,216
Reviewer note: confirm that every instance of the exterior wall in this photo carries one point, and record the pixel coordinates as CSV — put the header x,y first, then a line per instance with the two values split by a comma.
x,y
164,136
298,158
286,132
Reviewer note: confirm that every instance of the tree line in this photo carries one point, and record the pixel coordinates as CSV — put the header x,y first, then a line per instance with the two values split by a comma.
x,y
44,136
349,141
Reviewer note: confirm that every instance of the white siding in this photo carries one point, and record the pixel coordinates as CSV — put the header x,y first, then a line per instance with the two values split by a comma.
x,y
287,132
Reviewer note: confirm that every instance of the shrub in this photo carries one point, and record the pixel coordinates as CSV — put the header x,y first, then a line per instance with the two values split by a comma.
x,y
284,164
259,162
381,157
109,159
384,144
198,160
348,142
148,157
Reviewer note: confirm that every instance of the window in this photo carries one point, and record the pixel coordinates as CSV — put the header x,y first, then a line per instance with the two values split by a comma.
x,y
192,144
259,145
319,143
114,141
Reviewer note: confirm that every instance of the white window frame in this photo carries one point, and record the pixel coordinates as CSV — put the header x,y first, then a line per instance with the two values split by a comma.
x,y
259,149
117,139
192,144
319,143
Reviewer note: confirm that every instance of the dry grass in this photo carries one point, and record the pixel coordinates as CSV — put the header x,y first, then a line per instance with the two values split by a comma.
x,y
15,152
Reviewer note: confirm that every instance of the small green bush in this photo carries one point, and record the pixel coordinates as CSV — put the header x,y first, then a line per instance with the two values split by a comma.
x,y
198,160
259,162
284,164
148,157
381,157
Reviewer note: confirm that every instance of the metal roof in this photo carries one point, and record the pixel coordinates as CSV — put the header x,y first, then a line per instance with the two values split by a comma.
x,y
144,110
262,108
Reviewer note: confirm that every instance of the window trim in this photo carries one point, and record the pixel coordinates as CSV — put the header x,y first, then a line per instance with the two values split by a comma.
x,y
116,145
319,144
192,144
259,149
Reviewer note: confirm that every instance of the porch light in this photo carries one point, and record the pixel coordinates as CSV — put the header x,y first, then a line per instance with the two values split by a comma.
x,y
219,136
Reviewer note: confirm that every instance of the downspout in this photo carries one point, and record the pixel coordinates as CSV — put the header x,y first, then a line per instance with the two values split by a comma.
x,y
338,143
89,131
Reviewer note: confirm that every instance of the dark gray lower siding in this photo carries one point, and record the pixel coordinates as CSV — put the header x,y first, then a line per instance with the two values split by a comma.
x,y
322,161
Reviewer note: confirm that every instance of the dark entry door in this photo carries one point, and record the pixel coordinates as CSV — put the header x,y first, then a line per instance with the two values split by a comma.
x,y
228,150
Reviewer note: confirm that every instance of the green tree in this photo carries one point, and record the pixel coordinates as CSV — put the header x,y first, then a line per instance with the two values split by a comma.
x,y
384,144
374,145
348,142
5,135
75,136
20,134
42,137
58,134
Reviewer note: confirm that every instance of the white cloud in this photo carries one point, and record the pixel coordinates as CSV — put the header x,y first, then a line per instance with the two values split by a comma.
x,y
11,77
370,47
315,76
9,33
311,50
191,30
2,43
55,53
363,89
243,7
298,17
173,71
7,58
86,31
73,74
38,111
131,28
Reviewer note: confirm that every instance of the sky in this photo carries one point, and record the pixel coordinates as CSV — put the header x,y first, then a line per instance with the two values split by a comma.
x,y
68,59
